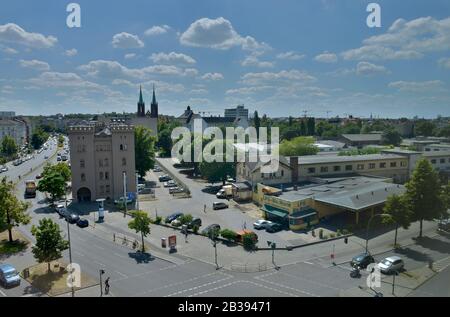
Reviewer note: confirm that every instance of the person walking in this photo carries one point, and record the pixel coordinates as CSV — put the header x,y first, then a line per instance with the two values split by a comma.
x,y
107,286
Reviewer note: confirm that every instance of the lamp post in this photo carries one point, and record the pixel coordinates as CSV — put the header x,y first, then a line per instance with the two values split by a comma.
x,y
137,191
125,194
213,236
70,249
367,231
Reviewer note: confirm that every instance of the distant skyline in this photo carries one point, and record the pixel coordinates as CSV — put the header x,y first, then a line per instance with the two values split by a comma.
x,y
277,57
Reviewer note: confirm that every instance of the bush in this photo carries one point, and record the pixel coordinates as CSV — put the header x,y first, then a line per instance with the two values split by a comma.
x,y
345,232
321,233
332,235
185,219
228,234
158,220
338,233
325,237
195,229
248,240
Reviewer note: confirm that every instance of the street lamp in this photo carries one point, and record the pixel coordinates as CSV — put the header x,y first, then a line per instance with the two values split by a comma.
x,y
367,231
125,194
213,236
70,249
273,245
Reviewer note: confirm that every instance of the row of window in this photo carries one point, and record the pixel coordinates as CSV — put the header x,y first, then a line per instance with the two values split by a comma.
x,y
81,148
272,175
442,161
359,167
102,163
105,189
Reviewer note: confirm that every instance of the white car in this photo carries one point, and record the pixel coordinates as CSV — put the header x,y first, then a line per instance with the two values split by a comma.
x,y
391,264
261,224
3,169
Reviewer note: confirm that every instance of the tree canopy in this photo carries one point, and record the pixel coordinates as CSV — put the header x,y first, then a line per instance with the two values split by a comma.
x,y
141,224
299,146
144,150
9,146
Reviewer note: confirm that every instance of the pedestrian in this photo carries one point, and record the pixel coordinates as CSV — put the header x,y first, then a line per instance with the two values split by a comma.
x,y
204,209
245,224
107,286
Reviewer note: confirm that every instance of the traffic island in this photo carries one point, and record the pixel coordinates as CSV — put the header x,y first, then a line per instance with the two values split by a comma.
x,y
20,243
54,282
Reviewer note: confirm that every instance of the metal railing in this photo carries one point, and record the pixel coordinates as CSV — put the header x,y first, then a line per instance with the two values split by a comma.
x,y
249,267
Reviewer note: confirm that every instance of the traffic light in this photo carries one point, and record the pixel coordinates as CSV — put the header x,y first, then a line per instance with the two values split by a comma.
x,y
345,240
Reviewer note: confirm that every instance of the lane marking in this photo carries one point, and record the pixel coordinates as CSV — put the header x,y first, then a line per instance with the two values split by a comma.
x,y
123,275
1,292
101,264
120,256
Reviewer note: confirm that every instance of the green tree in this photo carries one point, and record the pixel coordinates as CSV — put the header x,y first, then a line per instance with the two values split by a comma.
x,y
351,128
249,241
60,141
299,146
144,150
446,198
49,242
9,146
445,131
423,193
311,126
38,138
303,128
391,137
217,171
53,183
141,224
256,122
165,143
185,219
398,212
12,210
59,168
424,128
228,234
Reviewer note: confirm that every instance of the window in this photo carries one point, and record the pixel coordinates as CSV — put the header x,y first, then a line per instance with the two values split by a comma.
x,y
349,167
83,177
360,167
403,164
282,173
124,161
108,189
311,170
102,189
442,161
106,162
106,175
82,163
101,176
337,168
393,164
100,163
433,161
372,166
382,165
324,169
121,147
262,175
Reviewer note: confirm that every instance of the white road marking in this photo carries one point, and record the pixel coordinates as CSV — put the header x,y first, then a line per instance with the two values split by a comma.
x,y
99,263
197,287
121,274
1,292
120,256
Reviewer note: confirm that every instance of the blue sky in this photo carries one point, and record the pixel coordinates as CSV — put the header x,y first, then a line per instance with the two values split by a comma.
x,y
277,57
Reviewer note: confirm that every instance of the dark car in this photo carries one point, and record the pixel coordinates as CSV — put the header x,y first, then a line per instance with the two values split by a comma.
x,y
72,218
274,227
444,225
195,222
210,228
219,205
363,260
82,223
173,217
165,178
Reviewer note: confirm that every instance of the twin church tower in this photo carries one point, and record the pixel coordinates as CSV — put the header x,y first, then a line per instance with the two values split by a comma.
x,y
153,113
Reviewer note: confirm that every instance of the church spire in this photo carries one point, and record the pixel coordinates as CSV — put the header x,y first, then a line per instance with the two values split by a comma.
x,y
154,96
154,105
141,100
141,104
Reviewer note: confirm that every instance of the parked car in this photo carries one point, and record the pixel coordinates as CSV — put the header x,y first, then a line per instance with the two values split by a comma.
x,y
363,260
174,190
157,169
210,228
444,225
121,201
219,205
82,223
58,159
261,224
9,276
46,157
4,169
173,217
38,176
170,184
391,264
274,227
72,218
240,235
60,210
164,178
195,222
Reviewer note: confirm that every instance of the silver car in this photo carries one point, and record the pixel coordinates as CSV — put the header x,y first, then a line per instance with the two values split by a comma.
x,y
9,276
391,264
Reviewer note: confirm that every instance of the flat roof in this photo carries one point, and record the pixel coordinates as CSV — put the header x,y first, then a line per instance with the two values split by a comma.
x,y
402,151
362,137
321,159
436,153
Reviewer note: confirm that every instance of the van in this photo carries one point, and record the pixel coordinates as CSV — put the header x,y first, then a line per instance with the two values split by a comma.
x,y
9,276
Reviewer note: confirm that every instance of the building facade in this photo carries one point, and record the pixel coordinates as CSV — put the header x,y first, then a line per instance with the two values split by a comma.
x,y
14,128
238,112
100,154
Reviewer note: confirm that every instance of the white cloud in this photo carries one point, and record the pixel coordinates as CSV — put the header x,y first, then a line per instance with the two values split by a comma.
x,y
405,40
326,57
126,41
247,90
115,70
8,50
417,86
199,91
161,86
368,69
12,33
71,52
445,62
282,76
130,56
293,56
253,60
68,80
172,57
212,76
157,30
34,64
218,34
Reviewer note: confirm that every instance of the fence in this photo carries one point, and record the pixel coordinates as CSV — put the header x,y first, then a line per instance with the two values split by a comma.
x,y
126,241
248,268
175,178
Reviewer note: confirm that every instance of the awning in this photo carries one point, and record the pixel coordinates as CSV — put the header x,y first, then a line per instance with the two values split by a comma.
x,y
308,212
275,211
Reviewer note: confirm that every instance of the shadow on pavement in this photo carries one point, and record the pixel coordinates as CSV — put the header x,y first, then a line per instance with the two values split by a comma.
x,y
140,257
433,244
413,254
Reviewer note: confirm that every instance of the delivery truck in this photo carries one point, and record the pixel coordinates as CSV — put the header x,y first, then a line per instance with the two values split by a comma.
x,y
30,189
225,192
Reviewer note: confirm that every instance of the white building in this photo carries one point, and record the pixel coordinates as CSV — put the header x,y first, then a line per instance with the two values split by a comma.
x,y
15,128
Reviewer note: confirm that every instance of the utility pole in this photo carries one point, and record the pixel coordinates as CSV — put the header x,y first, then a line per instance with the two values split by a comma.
x,y
125,194
273,245
70,248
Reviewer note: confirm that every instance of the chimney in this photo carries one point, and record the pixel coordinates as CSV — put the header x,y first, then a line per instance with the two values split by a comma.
x,y
293,162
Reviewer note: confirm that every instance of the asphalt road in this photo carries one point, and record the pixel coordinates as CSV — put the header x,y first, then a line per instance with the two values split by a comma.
x,y
437,286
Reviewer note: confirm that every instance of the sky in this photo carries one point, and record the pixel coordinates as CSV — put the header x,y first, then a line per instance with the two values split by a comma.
x,y
279,57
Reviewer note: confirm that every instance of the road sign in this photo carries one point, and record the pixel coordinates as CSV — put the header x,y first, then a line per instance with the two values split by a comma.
x,y
172,241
